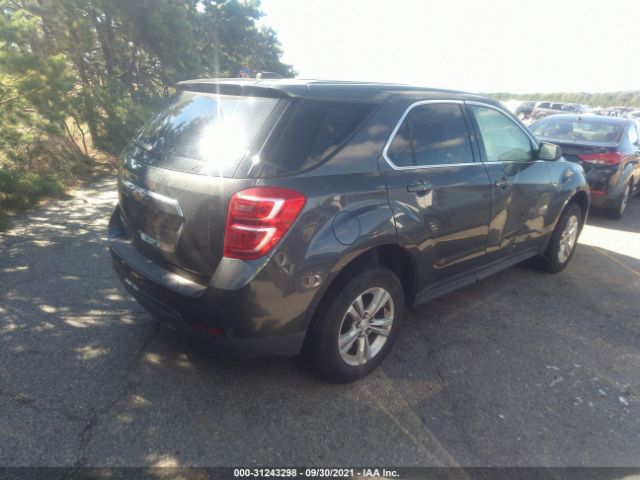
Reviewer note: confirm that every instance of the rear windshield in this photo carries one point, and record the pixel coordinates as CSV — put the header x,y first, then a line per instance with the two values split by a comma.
x,y
309,132
577,130
202,133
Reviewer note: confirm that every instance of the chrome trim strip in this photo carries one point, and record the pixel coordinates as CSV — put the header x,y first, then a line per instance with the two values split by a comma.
x,y
165,204
459,102
422,167
397,127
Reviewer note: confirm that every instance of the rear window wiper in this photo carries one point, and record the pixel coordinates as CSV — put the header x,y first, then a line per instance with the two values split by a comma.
x,y
143,145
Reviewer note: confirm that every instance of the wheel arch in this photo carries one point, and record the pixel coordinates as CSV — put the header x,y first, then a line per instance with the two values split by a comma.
x,y
581,198
391,256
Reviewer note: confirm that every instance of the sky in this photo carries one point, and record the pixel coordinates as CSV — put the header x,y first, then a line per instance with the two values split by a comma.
x,y
513,46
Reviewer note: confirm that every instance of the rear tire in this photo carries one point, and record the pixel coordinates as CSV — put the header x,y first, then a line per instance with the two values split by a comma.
x,y
622,202
356,325
564,239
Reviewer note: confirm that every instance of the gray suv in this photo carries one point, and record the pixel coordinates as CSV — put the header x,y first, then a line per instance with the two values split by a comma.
x,y
274,217
544,109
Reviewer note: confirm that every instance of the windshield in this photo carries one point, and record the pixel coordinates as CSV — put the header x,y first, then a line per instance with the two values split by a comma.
x,y
577,130
202,133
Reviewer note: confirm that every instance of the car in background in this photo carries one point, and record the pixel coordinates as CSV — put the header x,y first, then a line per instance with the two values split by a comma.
x,y
544,109
626,112
608,148
524,109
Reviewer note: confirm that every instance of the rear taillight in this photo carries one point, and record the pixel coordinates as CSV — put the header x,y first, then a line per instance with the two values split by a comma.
x,y
257,220
613,158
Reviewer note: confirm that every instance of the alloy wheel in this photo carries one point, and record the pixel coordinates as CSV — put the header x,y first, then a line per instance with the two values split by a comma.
x,y
568,238
366,326
625,199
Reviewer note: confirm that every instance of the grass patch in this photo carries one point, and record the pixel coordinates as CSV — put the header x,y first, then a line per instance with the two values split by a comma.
x,y
19,191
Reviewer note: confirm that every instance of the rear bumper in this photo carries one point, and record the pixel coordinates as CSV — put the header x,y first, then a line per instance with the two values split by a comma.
x,y
603,200
229,321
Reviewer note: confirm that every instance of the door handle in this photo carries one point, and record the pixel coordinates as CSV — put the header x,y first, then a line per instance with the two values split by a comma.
x,y
420,187
503,183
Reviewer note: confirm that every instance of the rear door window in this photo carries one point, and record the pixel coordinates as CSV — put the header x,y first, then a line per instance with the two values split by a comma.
x,y
202,133
438,136
400,151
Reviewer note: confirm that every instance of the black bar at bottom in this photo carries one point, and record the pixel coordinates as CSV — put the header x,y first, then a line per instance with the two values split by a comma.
x,y
249,472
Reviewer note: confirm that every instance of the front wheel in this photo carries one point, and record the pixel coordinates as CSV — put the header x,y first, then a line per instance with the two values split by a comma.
x,y
355,327
564,239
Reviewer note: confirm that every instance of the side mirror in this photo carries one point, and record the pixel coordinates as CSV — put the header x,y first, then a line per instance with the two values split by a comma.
x,y
549,151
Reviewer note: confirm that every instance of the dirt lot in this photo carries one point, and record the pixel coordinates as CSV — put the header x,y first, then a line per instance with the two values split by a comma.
x,y
524,368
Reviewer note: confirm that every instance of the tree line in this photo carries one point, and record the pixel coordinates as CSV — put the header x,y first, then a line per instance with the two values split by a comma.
x,y
603,99
77,77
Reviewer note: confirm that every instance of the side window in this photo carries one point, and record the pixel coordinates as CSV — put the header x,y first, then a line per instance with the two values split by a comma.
x,y
399,151
633,134
503,140
439,134
431,134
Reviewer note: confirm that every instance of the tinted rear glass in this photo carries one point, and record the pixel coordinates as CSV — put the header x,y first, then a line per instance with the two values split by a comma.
x,y
309,132
432,134
202,133
439,135
400,151
569,129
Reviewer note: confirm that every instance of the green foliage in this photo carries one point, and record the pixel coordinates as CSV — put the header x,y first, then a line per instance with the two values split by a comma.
x,y
18,191
21,190
600,99
79,76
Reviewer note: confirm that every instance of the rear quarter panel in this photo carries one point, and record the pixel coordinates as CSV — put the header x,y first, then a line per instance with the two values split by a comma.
x,y
347,212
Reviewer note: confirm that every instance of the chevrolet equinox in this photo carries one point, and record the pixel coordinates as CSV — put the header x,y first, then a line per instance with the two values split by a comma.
x,y
274,217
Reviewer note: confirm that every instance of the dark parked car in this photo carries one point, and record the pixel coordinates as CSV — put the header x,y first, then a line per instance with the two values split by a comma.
x,y
279,216
608,148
